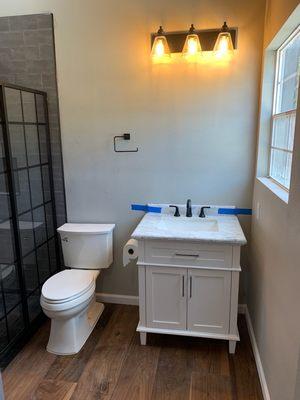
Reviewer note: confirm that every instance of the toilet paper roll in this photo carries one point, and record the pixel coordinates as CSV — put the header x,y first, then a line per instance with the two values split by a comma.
x,y
130,251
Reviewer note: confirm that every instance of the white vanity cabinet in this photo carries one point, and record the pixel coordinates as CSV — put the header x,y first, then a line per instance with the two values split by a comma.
x,y
208,302
189,288
166,297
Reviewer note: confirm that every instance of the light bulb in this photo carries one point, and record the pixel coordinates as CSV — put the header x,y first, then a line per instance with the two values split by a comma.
x,y
224,46
160,48
192,45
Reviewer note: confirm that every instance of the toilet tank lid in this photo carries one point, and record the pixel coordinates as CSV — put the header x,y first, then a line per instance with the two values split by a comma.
x,y
99,229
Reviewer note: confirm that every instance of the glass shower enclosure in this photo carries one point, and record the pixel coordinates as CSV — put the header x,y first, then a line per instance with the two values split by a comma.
x,y
29,251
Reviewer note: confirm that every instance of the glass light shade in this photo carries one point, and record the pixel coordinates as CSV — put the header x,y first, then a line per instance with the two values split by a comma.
x,y
223,46
192,46
160,48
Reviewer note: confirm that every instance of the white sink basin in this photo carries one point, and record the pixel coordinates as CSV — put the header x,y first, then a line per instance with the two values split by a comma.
x,y
183,224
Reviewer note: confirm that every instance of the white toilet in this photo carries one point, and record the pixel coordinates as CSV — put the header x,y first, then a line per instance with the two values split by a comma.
x,y
68,297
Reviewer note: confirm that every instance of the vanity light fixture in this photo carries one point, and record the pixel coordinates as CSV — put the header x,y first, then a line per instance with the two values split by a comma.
x,y
223,46
192,46
160,47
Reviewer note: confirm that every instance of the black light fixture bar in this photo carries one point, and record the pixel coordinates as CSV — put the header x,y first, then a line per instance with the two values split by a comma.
x,y
207,38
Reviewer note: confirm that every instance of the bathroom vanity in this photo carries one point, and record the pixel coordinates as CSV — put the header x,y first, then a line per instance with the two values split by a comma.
x,y
188,272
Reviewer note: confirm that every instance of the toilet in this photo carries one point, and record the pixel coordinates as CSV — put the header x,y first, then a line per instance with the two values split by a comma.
x,y
68,297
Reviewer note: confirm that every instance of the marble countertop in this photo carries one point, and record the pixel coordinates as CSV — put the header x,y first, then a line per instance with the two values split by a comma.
x,y
223,229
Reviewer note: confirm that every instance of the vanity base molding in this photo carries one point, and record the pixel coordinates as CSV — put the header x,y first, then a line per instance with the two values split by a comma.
x,y
143,330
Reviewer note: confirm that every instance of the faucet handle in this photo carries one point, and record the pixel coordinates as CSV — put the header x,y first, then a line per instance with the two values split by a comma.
x,y
177,214
189,212
202,214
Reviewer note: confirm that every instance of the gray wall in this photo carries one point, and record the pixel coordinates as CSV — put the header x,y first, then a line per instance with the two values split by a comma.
x,y
274,275
27,58
194,124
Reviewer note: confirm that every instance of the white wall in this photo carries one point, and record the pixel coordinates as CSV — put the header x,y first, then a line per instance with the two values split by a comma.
x,y
194,124
274,276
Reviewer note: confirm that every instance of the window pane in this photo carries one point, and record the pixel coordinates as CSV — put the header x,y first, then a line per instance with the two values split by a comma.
x,y
292,131
3,334
43,263
288,75
28,107
283,131
34,308
13,105
26,233
46,183
22,191
39,225
32,144
10,282
17,143
285,104
49,219
2,152
289,92
7,253
36,186
30,272
4,198
40,108
52,255
280,167
15,322
291,53
2,309
43,144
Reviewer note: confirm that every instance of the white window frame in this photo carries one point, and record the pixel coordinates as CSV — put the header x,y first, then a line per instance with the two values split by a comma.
x,y
276,98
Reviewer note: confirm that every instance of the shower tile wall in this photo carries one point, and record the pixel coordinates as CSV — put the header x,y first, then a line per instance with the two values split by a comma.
x,y
27,58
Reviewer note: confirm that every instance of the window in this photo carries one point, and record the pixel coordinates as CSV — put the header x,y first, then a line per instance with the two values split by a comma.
x,y
284,109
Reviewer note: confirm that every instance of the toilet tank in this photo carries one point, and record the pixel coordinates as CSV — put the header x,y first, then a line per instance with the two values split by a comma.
x,y
87,246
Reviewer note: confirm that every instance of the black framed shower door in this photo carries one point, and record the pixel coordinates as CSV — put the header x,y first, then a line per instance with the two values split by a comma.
x,y
29,252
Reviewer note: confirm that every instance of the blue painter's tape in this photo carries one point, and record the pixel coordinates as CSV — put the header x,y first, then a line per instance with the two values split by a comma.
x,y
139,207
154,209
235,211
145,208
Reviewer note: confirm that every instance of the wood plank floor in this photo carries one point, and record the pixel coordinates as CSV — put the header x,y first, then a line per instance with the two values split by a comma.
x,y
113,366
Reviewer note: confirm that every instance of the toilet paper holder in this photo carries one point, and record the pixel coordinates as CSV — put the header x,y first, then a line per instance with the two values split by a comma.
x,y
130,251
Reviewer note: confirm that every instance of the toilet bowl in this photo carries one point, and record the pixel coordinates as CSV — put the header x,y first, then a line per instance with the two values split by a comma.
x,y
68,297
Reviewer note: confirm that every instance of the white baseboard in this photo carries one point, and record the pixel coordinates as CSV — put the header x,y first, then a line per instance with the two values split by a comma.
x,y
260,370
243,309
134,300
117,298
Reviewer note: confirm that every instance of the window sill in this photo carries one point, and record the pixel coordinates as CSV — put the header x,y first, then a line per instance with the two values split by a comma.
x,y
276,189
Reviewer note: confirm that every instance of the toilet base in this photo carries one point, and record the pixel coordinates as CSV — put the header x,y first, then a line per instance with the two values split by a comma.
x,y
67,336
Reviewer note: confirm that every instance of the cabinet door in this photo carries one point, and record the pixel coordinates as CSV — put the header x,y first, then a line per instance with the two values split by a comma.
x,y
208,301
166,290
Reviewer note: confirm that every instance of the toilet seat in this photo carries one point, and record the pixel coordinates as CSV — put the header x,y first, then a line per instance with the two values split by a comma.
x,y
67,305
68,285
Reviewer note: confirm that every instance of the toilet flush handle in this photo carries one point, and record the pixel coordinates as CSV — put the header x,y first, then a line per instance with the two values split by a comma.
x,y
65,239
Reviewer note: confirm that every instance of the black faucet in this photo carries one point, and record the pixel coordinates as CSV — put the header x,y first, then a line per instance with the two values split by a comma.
x,y
189,208
202,214
177,214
